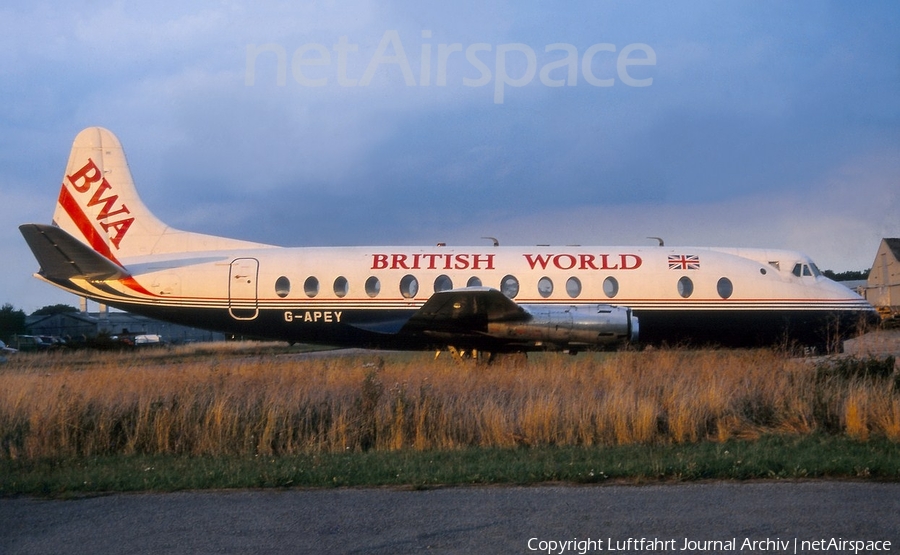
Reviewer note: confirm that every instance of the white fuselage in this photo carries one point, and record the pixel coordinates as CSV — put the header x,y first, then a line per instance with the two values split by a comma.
x,y
730,296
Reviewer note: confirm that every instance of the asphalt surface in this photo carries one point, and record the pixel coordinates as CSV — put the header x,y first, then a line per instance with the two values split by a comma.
x,y
466,520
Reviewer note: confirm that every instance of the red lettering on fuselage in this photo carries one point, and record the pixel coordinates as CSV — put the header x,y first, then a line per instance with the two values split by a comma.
x,y
432,261
472,261
482,261
636,261
587,262
398,261
379,261
536,259
81,181
567,261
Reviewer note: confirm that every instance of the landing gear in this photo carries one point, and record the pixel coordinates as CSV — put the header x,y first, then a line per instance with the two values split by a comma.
x,y
463,356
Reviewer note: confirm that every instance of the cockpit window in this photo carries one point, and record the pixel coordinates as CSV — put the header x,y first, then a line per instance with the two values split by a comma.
x,y
805,270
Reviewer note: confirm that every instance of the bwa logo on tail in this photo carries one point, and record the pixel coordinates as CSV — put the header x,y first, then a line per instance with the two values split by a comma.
x,y
99,205
98,202
82,181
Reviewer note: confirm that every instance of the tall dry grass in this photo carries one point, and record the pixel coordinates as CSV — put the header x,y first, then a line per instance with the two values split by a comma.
x,y
229,403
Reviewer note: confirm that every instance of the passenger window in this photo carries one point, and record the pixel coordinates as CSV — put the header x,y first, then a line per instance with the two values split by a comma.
x,y
311,286
724,287
341,286
610,287
282,286
573,287
545,287
373,286
473,282
509,286
685,287
442,283
409,286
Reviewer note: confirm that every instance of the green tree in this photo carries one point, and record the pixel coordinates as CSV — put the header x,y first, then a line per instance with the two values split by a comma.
x,y
12,321
52,309
849,275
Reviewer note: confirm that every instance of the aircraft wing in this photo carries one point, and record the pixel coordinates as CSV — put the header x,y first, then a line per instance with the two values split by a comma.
x,y
63,257
464,311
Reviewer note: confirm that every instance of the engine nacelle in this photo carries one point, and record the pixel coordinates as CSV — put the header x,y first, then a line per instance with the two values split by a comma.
x,y
571,325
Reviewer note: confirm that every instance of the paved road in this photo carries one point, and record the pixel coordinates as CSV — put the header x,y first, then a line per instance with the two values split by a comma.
x,y
457,520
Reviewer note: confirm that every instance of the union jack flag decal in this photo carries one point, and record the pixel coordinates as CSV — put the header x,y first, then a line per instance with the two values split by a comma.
x,y
684,262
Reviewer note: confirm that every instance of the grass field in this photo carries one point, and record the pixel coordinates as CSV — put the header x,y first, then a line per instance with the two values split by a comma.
x,y
251,402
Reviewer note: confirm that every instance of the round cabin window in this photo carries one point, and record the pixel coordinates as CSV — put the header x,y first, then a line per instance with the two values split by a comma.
x,y
282,286
724,287
545,287
573,287
311,286
685,287
341,286
442,283
409,286
509,286
373,286
610,287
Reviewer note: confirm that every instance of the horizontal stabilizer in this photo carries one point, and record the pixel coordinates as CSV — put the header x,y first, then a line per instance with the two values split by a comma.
x,y
63,257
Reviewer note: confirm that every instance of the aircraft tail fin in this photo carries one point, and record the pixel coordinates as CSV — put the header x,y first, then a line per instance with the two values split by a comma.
x,y
99,205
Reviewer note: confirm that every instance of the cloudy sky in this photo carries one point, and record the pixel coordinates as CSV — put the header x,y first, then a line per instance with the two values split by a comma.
x,y
752,123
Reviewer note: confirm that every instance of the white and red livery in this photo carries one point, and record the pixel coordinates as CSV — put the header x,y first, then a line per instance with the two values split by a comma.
x,y
106,245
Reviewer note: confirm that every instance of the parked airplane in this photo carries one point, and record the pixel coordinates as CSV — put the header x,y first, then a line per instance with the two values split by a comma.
x,y
106,245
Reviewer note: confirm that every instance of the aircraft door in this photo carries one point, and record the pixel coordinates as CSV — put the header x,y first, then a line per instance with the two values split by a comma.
x,y
242,290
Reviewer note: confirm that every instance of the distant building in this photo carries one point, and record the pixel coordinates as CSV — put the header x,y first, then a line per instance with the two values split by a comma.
x,y
104,322
65,324
883,285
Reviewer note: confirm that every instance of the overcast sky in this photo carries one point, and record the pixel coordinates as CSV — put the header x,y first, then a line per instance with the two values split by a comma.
x,y
759,124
